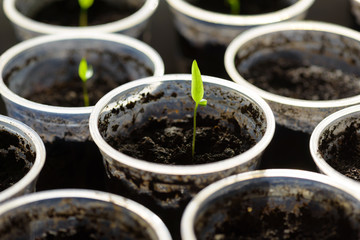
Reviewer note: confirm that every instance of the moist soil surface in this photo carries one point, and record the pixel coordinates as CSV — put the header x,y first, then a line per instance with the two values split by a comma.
x,y
70,93
344,155
294,79
171,142
15,159
90,233
66,13
246,7
256,219
61,220
81,233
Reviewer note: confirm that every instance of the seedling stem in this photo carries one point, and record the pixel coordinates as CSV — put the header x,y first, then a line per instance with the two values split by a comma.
x,y
85,73
234,6
84,6
197,93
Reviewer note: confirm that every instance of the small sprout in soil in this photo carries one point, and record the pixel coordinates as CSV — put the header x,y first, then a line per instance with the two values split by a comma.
x,y
197,93
84,6
234,6
85,73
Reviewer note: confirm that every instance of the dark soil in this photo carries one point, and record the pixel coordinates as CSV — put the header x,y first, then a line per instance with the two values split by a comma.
x,y
90,233
16,159
296,79
81,233
342,151
59,219
66,13
70,93
65,88
256,219
171,142
246,7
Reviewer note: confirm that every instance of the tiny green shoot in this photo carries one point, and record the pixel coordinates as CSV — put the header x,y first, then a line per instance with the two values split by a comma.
x,y
234,6
85,73
84,6
197,94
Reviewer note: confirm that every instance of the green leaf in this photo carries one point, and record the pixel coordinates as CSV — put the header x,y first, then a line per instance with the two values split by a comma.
x,y
85,71
203,102
85,4
197,88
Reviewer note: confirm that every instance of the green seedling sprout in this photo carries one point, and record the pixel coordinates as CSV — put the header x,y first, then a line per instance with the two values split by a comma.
x,y
84,6
85,73
197,94
234,6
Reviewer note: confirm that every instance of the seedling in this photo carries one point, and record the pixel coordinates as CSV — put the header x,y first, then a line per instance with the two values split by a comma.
x,y
234,6
85,73
84,6
197,93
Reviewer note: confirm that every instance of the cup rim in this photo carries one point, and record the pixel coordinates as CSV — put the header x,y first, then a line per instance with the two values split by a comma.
x,y
320,162
25,22
182,170
188,217
12,52
147,215
301,6
34,139
306,25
